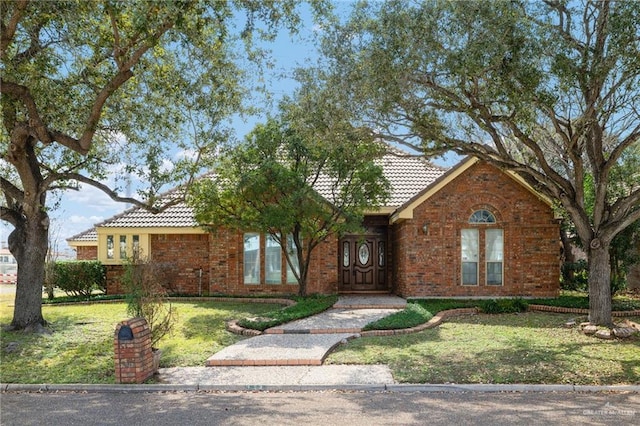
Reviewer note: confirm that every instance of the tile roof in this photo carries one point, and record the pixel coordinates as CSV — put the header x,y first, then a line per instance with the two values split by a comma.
x,y
179,215
407,174
88,235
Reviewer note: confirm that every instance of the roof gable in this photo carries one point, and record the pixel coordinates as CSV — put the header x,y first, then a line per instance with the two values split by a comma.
x,y
406,210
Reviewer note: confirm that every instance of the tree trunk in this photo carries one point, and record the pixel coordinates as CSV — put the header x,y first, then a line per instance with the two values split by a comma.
x,y
599,283
29,243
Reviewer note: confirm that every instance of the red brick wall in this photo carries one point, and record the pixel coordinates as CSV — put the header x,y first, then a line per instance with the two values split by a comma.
x,y
182,256
87,252
430,266
179,258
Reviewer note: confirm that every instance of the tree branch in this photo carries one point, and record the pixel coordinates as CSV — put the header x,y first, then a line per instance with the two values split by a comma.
x,y
173,197
9,31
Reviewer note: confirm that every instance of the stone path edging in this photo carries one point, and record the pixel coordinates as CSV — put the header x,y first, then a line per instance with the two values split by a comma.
x,y
233,327
438,319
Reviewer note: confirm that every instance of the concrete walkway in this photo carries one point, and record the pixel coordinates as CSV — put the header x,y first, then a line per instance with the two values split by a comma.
x,y
293,353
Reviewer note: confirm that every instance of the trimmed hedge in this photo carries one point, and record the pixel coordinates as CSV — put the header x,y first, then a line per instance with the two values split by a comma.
x,y
80,277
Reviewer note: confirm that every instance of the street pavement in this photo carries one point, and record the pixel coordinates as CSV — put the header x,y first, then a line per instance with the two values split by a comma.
x,y
324,408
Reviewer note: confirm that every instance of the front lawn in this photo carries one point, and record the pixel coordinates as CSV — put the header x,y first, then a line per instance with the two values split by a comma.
x,y
507,348
81,348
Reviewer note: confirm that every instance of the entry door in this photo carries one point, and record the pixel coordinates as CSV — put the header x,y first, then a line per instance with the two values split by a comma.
x,y
363,263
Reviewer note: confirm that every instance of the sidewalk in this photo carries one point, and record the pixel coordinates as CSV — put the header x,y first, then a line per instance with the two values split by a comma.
x,y
293,353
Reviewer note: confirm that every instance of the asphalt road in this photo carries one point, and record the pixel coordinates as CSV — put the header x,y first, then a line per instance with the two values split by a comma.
x,y
318,408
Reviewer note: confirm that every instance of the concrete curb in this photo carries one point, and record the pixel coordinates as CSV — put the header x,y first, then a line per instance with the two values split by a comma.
x,y
395,388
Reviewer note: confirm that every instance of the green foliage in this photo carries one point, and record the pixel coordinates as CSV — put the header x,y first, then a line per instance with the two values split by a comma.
x,y
414,314
80,299
575,276
270,183
79,278
81,348
504,348
437,305
544,89
93,88
146,297
305,307
503,306
619,303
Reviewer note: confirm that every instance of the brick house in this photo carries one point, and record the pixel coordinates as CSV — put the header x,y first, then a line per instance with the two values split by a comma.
x,y
470,231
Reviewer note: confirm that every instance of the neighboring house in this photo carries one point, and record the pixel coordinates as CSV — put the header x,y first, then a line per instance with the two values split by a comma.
x,y
470,231
8,267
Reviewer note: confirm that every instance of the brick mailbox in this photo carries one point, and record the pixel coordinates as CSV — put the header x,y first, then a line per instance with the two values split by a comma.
x,y
134,359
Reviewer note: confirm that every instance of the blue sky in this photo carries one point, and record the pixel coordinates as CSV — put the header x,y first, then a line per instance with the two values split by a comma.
x,y
80,210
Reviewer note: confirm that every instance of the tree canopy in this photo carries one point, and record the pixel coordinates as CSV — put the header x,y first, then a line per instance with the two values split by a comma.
x,y
90,88
298,180
546,89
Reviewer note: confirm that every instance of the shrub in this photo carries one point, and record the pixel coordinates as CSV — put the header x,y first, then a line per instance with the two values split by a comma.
x,y
79,278
305,306
503,306
411,316
146,297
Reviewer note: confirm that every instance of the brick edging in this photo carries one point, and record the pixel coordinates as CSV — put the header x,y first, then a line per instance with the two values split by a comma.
x,y
563,310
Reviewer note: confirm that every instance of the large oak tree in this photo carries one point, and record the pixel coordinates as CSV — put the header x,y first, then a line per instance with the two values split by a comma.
x,y
549,90
91,87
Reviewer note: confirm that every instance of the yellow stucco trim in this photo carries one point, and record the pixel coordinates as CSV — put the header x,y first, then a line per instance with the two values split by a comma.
x,y
82,243
144,241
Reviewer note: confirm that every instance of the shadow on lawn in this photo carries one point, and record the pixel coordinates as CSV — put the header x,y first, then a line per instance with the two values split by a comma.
x,y
520,363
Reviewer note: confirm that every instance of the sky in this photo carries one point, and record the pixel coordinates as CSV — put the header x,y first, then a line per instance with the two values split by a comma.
x,y
79,210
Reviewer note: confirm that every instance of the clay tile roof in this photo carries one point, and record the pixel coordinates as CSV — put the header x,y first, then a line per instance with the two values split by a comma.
x,y
88,235
176,216
407,174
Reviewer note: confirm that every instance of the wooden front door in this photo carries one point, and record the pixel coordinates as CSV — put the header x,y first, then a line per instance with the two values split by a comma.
x,y
363,263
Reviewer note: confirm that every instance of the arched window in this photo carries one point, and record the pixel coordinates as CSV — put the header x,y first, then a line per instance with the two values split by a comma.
x,y
482,247
482,216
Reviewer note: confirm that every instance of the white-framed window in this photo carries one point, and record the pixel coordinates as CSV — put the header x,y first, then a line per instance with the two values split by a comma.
x,y
272,261
123,246
470,256
251,258
494,255
482,216
491,257
110,247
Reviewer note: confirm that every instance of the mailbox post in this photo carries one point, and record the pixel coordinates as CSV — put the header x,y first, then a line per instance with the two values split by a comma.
x,y
133,353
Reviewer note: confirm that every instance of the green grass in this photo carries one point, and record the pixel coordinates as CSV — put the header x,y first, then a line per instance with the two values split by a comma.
x,y
504,348
80,349
305,307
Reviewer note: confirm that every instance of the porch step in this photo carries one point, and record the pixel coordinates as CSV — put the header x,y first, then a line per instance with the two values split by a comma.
x,y
370,301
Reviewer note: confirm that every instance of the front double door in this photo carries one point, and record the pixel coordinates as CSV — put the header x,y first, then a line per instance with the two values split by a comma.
x,y
363,263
